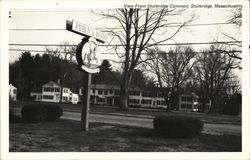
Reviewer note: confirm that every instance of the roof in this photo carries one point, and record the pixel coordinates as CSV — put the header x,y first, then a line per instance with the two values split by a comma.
x,y
54,84
51,84
104,86
11,86
191,94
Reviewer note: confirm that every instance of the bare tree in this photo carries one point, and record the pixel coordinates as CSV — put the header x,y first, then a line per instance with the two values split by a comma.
x,y
138,30
234,48
213,69
172,69
67,51
64,51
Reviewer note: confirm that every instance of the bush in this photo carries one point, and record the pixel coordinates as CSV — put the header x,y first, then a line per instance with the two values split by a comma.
x,y
177,126
34,113
13,117
54,112
41,112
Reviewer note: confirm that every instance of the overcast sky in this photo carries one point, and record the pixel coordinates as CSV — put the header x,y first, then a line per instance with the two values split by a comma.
x,y
56,19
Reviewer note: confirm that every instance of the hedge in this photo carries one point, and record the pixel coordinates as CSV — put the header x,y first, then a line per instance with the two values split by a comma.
x,y
54,112
177,126
34,113
40,113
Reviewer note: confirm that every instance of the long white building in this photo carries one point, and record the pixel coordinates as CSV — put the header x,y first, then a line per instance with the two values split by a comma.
x,y
51,92
103,94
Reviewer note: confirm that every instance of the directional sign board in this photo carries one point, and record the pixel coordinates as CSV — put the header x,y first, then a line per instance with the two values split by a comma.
x,y
86,30
88,60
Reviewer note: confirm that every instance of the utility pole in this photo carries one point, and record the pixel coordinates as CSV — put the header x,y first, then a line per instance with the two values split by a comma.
x,y
85,101
88,61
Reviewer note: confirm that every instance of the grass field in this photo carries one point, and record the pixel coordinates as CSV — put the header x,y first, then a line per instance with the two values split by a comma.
x,y
66,136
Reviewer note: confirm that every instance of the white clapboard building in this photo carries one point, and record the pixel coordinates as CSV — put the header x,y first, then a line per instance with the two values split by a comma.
x,y
12,92
51,92
103,94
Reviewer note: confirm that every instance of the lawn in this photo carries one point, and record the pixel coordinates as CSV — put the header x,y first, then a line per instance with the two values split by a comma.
x,y
66,136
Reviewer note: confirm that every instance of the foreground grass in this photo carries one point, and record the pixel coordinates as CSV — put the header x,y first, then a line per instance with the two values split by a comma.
x,y
66,136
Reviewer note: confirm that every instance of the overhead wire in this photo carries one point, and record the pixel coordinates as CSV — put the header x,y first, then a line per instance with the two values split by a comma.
x,y
110,45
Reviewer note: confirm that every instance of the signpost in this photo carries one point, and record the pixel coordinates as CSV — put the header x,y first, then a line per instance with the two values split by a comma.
x,y
87,56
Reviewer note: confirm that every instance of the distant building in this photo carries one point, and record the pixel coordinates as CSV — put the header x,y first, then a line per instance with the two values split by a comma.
x,y
103,94
12,92
188,102
51,92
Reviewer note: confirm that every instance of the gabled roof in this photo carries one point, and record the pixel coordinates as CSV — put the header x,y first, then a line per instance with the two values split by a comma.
x,y
11,86
190,94
51,84
104,86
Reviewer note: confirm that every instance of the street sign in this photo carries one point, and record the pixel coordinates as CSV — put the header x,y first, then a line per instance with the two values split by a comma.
x,y
86,30
87,56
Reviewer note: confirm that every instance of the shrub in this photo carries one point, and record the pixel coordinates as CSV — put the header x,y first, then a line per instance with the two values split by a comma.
x,y
13,117
41,112
53,112
177,126
34,113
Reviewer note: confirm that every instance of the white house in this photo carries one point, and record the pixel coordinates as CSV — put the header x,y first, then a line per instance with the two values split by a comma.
x,y
103,94
12,92
51,92
74,98
36,96
188,102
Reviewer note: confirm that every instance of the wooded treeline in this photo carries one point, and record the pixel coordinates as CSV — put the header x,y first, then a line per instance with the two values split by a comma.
x,y
30,72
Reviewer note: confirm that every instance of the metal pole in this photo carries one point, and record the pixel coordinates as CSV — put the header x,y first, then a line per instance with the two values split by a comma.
x,y
85,101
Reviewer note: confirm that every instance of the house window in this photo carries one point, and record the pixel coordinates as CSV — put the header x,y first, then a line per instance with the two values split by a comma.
x,y
100,92
48,97
65,98
134,101
134,93
186,98
93,91
158,102
100,100
48,89
105,92
14,91
110,92
57,89
65,90
145,101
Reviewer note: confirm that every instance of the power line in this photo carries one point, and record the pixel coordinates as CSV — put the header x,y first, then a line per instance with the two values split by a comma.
x,y
111,45
54,29
37,29
24,50
192,25
28,50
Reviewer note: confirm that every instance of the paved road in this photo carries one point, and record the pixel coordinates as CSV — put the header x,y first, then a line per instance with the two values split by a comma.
x,y
148,123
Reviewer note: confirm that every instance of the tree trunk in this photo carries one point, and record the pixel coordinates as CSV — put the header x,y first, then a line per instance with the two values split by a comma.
x,y
124,93
124,98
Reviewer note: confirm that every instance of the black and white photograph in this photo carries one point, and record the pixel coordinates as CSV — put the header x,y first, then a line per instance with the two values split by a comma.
x,y
125,80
